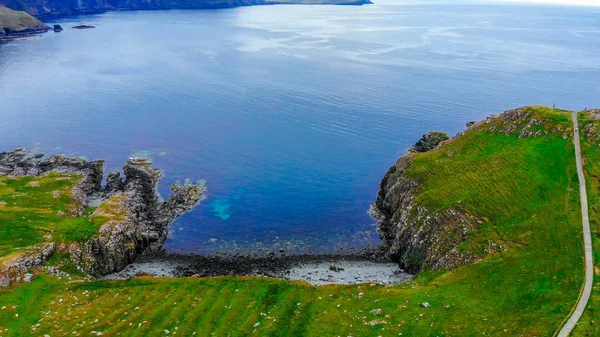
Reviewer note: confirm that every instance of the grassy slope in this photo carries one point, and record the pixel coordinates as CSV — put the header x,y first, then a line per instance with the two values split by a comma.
x,y
29,212
525,188
17,20
589,324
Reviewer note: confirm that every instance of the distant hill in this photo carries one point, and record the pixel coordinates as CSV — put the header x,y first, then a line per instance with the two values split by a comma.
x,y
18,23
43,8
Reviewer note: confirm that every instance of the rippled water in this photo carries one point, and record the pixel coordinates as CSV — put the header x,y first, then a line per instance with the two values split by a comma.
x,y
292,114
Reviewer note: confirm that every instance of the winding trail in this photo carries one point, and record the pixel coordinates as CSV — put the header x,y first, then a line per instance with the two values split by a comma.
x,y
587,240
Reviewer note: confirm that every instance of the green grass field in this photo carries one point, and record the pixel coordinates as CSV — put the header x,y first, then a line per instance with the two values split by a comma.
x,y
525,190
17,19
31,212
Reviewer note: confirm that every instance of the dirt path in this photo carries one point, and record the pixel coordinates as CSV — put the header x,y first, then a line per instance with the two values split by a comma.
x,y
587,241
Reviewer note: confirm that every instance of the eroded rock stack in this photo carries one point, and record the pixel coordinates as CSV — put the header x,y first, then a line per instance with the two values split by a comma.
x,y
137,220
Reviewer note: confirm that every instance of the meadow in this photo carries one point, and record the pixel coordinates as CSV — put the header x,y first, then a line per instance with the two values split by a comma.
x,y
525,282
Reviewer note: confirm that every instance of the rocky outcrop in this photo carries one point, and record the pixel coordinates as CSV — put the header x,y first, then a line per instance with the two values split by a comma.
x,y
57,28
419,238
18,270
22,163
137,220
18,24
429,141
415,237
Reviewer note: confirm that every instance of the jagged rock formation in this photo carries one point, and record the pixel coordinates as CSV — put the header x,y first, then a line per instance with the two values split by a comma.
x,y
429,141
137,222
16,24
43,8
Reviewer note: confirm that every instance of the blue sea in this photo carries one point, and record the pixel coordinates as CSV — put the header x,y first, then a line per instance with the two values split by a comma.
x,y
291,114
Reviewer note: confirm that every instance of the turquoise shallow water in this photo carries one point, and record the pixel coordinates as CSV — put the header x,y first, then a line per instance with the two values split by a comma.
x,y
292,114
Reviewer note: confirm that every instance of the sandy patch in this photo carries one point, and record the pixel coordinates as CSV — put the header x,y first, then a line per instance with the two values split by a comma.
x,y
33,184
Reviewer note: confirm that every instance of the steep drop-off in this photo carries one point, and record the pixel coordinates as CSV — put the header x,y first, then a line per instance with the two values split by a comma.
x,y
423,231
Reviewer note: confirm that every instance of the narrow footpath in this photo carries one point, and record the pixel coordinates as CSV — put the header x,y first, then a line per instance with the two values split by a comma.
x,y
587,241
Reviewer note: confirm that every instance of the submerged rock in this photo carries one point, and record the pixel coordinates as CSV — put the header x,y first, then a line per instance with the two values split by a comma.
x,y
83,27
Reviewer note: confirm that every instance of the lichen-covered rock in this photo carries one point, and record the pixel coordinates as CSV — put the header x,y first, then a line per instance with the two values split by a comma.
x,y
429,141
114,183
17,271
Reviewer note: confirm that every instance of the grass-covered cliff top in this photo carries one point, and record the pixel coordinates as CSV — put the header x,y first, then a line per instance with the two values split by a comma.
x,y
523,187
17,20
35,210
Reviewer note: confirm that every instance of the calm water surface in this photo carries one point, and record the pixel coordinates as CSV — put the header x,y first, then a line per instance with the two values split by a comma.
x,y
292,114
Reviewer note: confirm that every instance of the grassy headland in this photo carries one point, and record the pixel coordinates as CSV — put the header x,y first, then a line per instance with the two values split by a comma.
x,y
523,187
18,21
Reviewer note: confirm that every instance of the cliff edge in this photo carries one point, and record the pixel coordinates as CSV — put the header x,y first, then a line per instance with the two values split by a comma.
x,y
431,203
130,219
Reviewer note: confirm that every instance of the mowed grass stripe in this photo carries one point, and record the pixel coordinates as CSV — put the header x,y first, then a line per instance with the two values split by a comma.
x,y
177,315
135,316
204,297
117,308
159,306
214,309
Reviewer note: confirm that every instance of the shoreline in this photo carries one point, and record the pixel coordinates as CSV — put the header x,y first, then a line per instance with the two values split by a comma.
x,y
59,15
320,269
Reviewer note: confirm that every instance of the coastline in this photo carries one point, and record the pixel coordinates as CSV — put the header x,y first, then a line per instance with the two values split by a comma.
x,y
54,14
314,269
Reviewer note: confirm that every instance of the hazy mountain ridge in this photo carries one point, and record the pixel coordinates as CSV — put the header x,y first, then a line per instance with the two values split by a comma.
x,y
46,8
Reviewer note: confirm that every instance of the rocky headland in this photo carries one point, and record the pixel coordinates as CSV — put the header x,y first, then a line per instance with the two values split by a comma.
x,y
15,24
49,8
420,238
133,221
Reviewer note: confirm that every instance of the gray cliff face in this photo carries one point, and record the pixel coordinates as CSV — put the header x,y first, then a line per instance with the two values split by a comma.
x,y
415,237
138,220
